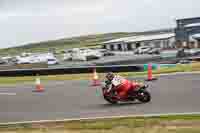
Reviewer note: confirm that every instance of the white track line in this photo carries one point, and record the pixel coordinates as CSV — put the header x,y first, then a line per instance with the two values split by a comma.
x,y
8,94
98,118
177,73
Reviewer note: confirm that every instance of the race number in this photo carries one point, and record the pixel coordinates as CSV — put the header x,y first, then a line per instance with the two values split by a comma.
x,y
117,80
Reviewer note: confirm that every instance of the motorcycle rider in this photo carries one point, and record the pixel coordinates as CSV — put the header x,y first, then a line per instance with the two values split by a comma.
x,y
121,85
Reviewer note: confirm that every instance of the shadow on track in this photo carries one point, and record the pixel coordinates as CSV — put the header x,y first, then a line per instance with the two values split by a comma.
x,y
108,105
121,104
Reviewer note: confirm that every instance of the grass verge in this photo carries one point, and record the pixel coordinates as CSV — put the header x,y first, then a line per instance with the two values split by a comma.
x,y
178,68
164,124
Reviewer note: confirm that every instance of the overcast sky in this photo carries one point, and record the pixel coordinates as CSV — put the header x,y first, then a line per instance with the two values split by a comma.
x,y
24,21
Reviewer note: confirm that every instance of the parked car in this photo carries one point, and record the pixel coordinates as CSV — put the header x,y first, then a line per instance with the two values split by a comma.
x,y
85,54
52,61
107,53
184,61
7,59
154,51
197,53
181,53
143,50
67,55
2,61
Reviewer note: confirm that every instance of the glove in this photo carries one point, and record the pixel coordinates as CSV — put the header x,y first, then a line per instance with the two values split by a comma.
x,y
146,86
109,89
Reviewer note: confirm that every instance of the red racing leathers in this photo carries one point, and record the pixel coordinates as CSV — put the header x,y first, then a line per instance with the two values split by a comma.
x,y
122,86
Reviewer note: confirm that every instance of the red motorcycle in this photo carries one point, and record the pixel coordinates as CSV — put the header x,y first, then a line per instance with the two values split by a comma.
x,y
141,94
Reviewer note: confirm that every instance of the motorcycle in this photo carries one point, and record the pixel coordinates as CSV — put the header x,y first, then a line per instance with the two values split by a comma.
x,y
141,94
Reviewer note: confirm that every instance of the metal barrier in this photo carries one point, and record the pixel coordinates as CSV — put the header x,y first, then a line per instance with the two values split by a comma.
x,y
69,70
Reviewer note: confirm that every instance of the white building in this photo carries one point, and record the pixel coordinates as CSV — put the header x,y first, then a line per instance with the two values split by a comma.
x,y
158,40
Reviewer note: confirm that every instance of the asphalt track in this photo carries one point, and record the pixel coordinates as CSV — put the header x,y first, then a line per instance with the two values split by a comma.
x,y
77,99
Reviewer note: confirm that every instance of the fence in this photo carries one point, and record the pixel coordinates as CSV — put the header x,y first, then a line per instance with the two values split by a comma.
x,y
70,70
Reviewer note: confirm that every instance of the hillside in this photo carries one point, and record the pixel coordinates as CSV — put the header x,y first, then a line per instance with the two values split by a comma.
x,y
62,44
73,42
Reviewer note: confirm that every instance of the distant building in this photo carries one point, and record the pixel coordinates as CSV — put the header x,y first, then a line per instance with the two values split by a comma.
x,y
194,42
157,40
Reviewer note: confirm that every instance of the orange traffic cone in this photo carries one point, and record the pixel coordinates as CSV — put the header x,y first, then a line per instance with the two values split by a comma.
x,y
95,79
150,74
39,87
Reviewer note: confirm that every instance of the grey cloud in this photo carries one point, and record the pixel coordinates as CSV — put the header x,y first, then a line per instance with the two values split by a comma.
x,y
23,21
47,7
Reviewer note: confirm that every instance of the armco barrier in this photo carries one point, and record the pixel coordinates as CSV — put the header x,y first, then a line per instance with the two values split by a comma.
x,y
156,66
23,66
69,70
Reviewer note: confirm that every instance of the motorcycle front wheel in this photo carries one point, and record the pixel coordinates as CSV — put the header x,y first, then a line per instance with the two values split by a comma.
x,y
110,100
144,97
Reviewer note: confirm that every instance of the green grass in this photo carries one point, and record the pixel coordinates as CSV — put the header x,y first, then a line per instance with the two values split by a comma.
x,y
164,124
127,122
28,79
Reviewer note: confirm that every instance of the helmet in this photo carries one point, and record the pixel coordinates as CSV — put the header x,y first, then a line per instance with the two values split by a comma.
x,y
110,76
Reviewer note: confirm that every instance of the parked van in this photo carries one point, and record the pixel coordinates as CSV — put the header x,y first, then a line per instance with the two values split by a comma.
x,y
48,58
